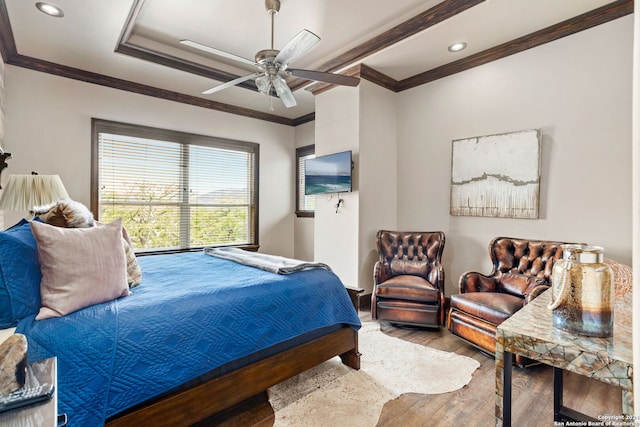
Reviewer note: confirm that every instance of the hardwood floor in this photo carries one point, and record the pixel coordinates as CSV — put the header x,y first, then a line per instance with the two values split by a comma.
x,y
473,405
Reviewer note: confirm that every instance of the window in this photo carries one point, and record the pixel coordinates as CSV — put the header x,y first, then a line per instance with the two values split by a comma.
x,y
174,190
305,205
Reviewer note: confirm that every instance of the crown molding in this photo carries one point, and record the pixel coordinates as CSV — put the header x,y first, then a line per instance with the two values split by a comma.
x,y
436,14
566,28
582,22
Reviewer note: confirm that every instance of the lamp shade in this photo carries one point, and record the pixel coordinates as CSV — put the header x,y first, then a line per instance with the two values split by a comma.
x,y
25,192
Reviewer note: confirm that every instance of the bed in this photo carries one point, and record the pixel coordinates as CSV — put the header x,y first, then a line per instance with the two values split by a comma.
x,y
199,335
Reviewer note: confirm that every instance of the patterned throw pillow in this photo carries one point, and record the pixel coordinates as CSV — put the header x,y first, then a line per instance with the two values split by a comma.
x,y
134,274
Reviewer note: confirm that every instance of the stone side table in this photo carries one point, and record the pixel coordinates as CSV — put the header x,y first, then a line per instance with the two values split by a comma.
x,y
530,332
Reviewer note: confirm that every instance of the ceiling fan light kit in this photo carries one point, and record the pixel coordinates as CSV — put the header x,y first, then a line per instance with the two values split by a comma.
x,y
273,6
274,64
283,91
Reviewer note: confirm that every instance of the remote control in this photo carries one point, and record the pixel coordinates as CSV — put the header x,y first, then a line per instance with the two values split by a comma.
x,y
26,396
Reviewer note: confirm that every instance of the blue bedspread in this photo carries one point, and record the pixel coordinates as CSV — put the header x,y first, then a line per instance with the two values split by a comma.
x,y
191,314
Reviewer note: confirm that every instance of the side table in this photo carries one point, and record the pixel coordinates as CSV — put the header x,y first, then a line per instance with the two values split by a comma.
x,y
39,414
530,332
354,294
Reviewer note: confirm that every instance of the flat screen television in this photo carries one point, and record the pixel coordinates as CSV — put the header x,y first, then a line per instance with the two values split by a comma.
x,y
328,174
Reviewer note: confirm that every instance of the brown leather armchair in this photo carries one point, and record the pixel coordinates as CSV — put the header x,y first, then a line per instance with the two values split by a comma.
x,y
521,271
408,278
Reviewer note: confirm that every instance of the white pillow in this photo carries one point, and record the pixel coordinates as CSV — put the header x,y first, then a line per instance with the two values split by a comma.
x,y
80,267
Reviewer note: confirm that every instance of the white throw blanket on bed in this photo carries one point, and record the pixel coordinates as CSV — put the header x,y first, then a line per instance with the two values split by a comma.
x,y
272,263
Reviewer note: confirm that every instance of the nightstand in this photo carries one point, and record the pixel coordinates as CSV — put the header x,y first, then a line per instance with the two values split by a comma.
x,y
39,414
354,294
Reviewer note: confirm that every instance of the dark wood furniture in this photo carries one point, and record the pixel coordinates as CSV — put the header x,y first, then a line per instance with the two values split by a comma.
x,y
356,296
44,414
408,278
204,399
530,332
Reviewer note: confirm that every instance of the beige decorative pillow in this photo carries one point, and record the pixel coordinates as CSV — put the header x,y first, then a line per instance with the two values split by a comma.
x,y
80,267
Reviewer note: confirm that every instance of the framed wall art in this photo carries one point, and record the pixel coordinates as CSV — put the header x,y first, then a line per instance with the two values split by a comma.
x,y
497,175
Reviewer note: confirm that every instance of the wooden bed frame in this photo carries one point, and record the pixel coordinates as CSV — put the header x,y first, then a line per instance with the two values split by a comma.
x,y
216,395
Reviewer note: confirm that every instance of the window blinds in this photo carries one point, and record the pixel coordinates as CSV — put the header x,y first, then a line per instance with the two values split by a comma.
x,y
179,192
305,203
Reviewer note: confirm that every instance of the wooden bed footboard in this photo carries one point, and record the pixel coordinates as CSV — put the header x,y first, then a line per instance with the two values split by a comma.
x,y
213,396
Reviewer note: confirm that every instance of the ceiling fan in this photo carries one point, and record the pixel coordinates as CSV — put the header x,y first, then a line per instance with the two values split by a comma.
x,y
273,64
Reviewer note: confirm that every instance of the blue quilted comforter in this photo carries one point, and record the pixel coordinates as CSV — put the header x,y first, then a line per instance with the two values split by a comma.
x,y
191,314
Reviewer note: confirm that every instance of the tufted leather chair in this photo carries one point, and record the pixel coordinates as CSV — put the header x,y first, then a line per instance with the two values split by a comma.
x,y
521,271
408,278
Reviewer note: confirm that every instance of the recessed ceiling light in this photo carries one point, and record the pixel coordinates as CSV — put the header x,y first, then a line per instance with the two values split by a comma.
x,y
457,47
50,9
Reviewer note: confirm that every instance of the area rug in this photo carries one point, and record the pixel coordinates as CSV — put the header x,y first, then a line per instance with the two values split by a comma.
x,y
333,394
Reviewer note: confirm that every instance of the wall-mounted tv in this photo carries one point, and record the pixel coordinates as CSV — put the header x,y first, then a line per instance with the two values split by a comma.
x,y
328,174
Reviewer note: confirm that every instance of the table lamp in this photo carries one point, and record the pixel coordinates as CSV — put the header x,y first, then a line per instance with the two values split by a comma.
x,y
25,192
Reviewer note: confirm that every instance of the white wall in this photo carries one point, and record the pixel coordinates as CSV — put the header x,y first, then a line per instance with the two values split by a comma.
x,y
2,97
336,234
363,120
48,129
377,174
577,90
304,226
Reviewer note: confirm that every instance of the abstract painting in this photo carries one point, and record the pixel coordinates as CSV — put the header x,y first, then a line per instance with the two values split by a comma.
x,y
496,175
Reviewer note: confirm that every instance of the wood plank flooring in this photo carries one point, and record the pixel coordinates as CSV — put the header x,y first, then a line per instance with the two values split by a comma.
x,y
473,405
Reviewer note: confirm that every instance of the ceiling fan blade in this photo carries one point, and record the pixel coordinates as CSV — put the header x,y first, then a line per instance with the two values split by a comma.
x,y
337,79
284,93
231,83
217,52
299,44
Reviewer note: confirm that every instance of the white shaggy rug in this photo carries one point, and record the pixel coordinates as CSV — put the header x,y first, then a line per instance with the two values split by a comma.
x,y
332,394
